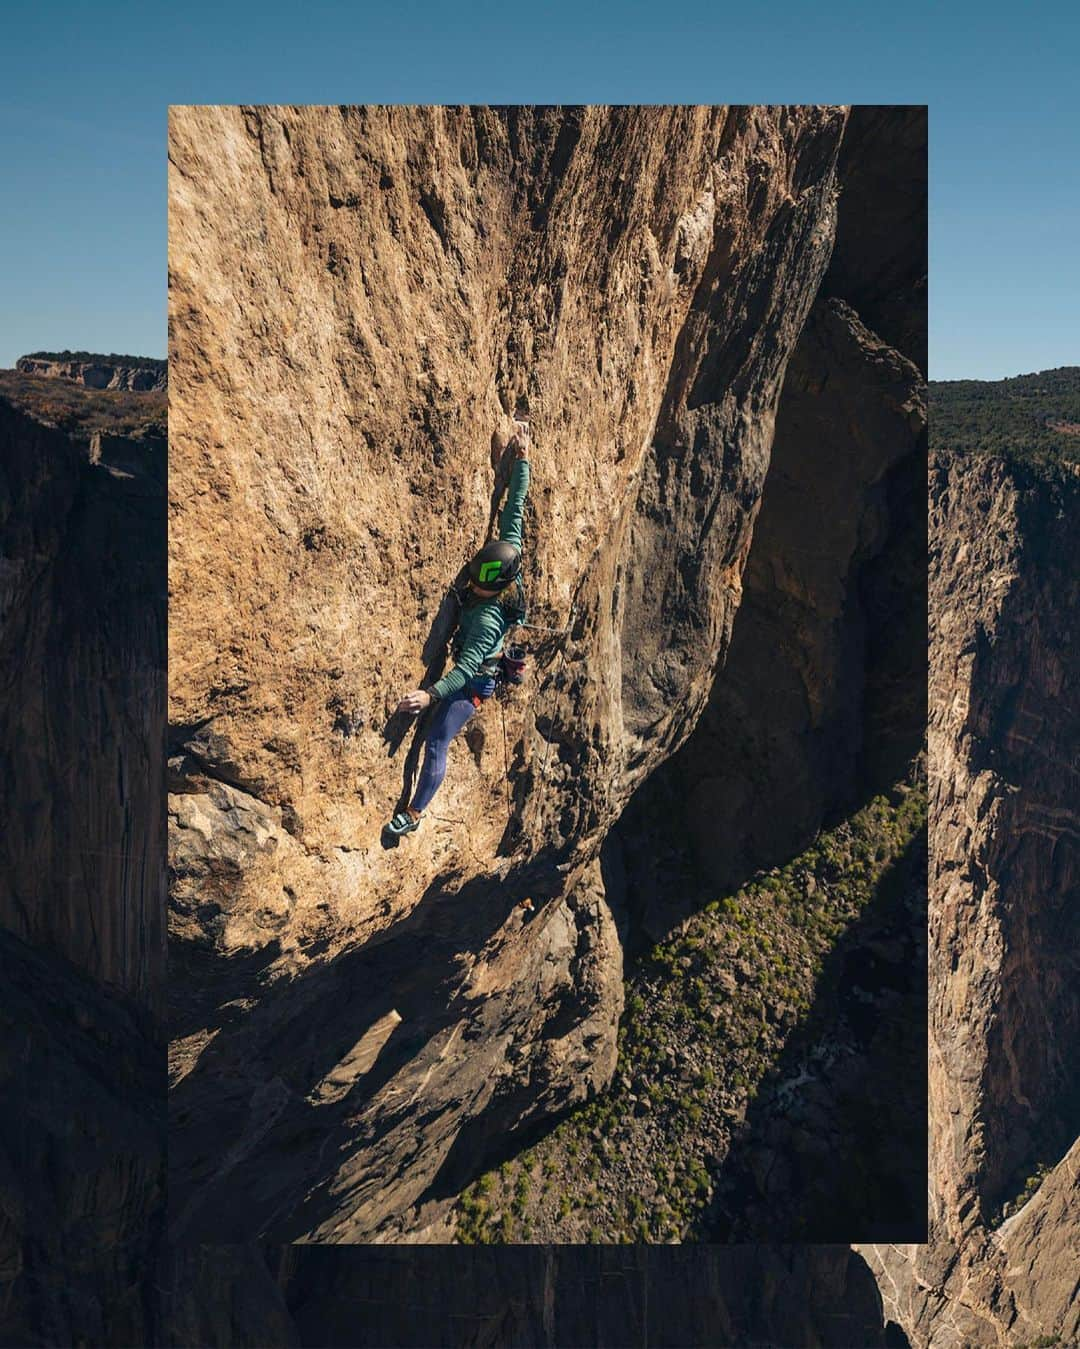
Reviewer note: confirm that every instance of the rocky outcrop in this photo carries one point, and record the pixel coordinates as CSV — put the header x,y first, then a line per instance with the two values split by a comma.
x,y
82,642
1004,749
99,372
358,296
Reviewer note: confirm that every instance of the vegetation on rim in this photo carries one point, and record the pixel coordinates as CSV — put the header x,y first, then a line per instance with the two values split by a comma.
x,y
97,358
1032,418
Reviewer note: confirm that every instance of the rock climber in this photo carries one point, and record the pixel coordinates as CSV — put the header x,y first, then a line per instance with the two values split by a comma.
x,y
491,605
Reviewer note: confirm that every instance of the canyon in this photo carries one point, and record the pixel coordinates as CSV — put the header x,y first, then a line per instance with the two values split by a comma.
x,y
1000,1265
381,1022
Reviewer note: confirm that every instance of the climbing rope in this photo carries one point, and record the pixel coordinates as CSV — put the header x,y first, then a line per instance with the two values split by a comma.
x,y
537,627
506,756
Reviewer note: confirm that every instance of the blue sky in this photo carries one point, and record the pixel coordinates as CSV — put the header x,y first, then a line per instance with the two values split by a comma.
x,y
84,91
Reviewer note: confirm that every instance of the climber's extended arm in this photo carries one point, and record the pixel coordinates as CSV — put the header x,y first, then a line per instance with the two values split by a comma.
x,y
487,637
514,510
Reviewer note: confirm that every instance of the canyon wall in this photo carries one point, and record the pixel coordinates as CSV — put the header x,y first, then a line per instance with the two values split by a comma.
x,y
82,1158
419,1297
358,297
82,642
293,994
819,707
82,720
1004,1015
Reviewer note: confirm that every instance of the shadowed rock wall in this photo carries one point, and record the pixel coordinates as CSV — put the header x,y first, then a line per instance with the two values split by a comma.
x,y
537,1297
82,705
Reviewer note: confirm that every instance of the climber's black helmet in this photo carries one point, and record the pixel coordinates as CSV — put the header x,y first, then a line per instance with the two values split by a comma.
x,y
496,565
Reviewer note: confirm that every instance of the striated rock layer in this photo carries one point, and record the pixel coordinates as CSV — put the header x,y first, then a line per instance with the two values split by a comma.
x,y
1005,955
358,296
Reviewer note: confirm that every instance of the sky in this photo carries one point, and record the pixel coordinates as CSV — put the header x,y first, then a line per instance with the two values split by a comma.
x,y
84,91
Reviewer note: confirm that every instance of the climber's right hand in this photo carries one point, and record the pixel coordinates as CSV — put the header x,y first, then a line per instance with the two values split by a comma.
x,y
415,701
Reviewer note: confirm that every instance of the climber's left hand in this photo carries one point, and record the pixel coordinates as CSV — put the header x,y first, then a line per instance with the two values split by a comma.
x,y
520,442
415,701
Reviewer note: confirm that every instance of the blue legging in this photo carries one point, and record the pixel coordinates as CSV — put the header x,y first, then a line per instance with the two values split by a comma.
x,y
450,716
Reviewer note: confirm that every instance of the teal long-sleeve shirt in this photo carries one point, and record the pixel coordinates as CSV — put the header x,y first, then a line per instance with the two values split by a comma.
x,y
484,622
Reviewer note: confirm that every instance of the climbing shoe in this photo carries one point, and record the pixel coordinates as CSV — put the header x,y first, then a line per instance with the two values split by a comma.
x,y
403,823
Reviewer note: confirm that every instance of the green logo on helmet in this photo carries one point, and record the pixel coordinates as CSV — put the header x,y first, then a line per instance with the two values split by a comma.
x,y
489,571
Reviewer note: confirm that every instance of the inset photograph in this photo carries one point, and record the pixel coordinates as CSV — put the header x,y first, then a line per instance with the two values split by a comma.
x,y
547,674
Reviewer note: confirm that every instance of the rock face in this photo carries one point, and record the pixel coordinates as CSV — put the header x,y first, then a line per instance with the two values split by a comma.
x,y
1004,749
99,372
791,736
82,639
80,1182
357,297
